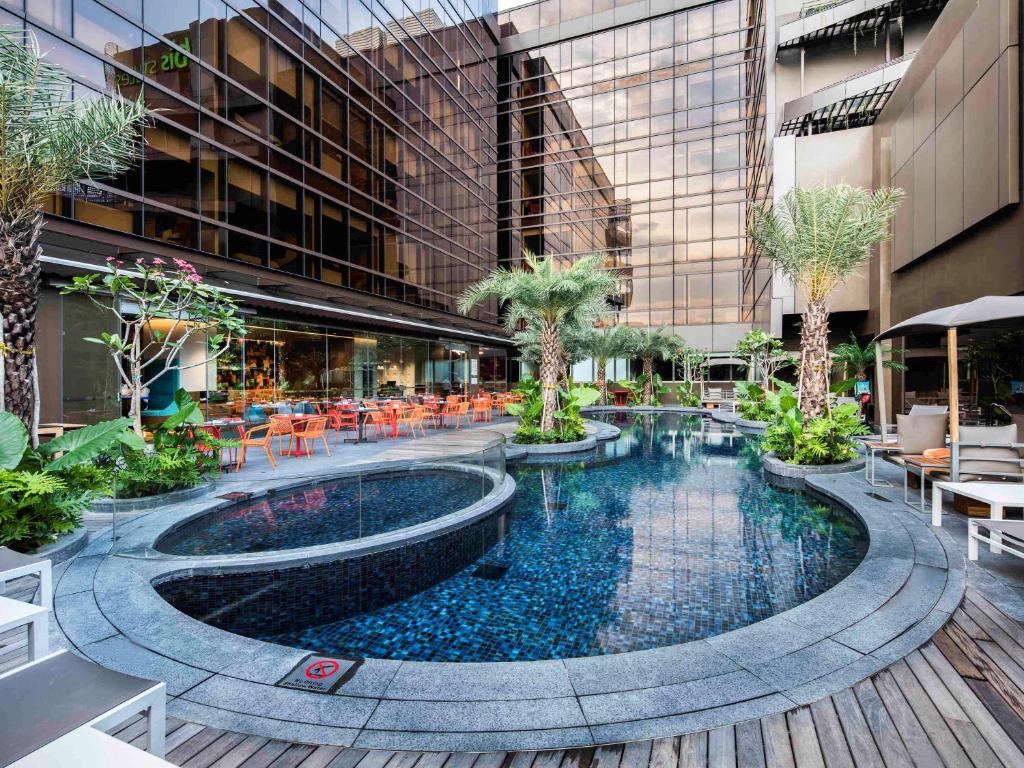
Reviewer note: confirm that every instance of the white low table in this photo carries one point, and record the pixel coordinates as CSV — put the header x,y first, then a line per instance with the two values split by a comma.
x,y
16,613
996,495
88,748
14,565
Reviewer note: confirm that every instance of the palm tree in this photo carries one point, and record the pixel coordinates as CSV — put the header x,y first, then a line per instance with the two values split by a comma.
x,y
850,358
603,345
547,300
650,344
48,140
818,237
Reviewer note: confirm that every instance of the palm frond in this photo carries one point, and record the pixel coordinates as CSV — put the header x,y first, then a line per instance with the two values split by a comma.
x,y
47,138
819,236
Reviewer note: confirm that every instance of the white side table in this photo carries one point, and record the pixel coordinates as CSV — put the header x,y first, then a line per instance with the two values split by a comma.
x,y
14,565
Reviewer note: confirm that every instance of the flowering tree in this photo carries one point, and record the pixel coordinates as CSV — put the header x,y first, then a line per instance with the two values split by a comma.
x,y
154,291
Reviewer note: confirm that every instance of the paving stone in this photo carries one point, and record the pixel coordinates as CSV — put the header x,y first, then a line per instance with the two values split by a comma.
x,y
482,741
644,669
835,681
281,703
121,654
468,716
81,620
906,608
675,699
913,638
764,640
261,726
810,663
77,575
635,730
439,681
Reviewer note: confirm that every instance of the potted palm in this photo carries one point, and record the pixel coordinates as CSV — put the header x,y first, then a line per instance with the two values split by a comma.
x,y
546,301
818,237
650,344
49,140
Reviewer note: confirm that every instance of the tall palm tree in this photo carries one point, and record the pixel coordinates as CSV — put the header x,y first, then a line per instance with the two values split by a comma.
x,y
818,237
603,345
47,141
650,344
547,299
853,361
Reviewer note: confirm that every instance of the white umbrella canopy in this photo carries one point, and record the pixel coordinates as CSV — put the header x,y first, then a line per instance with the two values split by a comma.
x,y
985,312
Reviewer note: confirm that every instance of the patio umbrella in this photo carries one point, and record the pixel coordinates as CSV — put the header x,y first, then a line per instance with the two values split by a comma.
x,y
986,312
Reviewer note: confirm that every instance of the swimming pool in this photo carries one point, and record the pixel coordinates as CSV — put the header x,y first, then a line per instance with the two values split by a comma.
x,y
664,535
334,511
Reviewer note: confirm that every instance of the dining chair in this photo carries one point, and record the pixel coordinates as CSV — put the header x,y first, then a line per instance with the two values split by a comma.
x,y
257,437
341,419
306,433
283,426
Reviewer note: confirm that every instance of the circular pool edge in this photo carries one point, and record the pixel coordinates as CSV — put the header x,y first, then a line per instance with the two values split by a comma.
x,y
910,580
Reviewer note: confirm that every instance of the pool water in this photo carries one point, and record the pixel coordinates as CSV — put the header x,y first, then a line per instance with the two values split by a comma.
x,y
665,535
334,511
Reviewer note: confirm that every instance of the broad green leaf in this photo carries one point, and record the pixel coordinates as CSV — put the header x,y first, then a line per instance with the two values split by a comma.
x,y
84,445
584,396
132,441
13,441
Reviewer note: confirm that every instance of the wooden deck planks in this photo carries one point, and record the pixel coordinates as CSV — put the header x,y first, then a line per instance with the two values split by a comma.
x,y
957,702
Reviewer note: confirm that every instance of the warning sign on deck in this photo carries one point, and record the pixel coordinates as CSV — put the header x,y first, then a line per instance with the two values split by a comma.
x,y
320,674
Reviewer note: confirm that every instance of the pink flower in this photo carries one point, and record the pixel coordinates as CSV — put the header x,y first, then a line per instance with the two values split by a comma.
x,y
158,261
194,278
110,259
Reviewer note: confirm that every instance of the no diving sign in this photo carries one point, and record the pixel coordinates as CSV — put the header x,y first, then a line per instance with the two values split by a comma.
x,y
320,674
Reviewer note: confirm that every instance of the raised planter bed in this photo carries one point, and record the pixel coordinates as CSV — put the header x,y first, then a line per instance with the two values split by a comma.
x,y
146,503
578,446
785,475
751,427
65,547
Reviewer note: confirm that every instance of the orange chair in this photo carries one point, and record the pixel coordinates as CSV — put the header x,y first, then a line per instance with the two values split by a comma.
x,y
482,409
376,420
253,440
341,419
413,419
307,432
282,426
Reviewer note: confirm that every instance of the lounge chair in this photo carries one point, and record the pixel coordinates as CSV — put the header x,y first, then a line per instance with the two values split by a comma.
x,y
15,614
1003,536
916,434
14,565
50,698
989,454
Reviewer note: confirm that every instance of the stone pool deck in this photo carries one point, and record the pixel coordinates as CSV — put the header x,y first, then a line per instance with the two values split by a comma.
x,y
908,586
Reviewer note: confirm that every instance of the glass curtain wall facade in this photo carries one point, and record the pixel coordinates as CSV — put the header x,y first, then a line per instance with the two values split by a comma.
x,y
278,360
349,143
645,141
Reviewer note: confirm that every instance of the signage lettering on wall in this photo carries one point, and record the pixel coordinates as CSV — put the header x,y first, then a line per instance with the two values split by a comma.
x,y
172,61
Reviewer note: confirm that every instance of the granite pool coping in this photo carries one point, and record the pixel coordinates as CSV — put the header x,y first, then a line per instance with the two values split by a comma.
x,y
904,590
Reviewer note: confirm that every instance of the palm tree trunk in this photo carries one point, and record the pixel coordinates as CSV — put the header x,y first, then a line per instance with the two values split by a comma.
x,y
602,371
649,380
814,369
550,368
19,299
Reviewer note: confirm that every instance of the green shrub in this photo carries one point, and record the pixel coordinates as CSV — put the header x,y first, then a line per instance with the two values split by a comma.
x,y
828,439
43,494
687,395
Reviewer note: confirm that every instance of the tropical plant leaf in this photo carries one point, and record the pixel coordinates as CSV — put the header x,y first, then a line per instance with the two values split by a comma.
x,y
84,445
13,441
188,411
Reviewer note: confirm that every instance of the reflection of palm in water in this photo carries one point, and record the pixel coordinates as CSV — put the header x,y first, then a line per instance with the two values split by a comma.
x,y
664,535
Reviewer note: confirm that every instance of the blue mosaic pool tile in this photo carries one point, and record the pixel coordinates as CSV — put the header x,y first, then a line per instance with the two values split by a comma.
x,y
668,534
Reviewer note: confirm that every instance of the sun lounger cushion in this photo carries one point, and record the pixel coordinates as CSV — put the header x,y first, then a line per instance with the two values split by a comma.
x,y
925,410
996,457
44,701
917,434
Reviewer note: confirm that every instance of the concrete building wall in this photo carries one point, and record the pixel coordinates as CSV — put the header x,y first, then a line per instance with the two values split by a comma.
x,y
954,129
